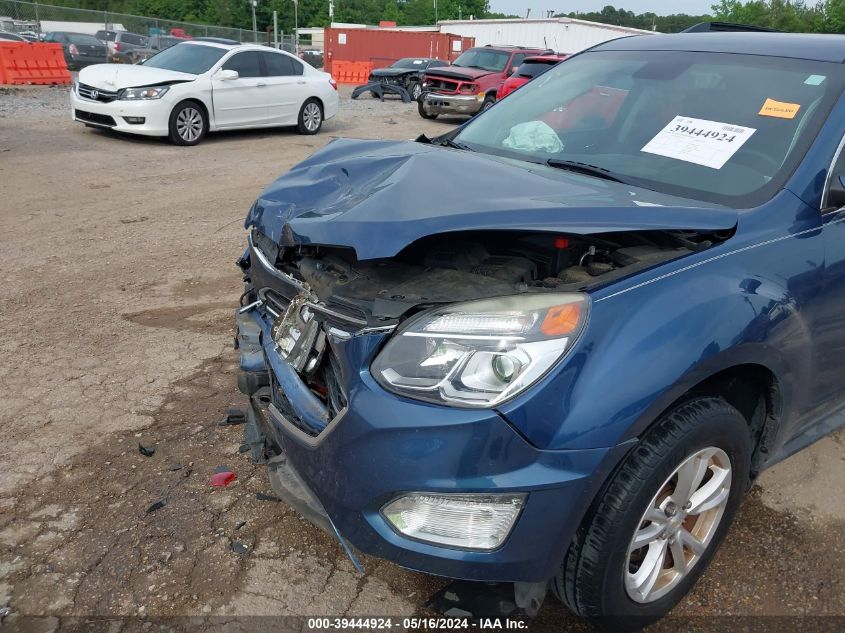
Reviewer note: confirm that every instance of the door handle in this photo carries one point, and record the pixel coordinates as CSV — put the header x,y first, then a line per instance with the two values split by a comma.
x,y
260,85
301,82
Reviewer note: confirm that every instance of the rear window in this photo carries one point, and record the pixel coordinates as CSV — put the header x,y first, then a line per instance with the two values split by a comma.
x,y
81,38
108,36
533,69
135,40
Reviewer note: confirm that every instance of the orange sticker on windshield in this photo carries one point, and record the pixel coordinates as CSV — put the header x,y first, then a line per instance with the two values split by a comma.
x,y
779,109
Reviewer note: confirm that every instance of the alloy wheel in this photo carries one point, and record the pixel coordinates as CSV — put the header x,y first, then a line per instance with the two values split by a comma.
x,y
416,91
311,117
678,525
189,124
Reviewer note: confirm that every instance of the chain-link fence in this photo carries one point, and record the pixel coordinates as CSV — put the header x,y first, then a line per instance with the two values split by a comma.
x,y
34,18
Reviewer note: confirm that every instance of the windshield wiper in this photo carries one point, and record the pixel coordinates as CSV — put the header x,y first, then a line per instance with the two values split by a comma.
x,y
447,142
586,169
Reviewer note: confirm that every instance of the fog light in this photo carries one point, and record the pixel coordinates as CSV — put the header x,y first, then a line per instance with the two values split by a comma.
x,y
134,119
466,521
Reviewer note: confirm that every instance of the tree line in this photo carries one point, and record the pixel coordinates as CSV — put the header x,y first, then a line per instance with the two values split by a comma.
x,y
827,16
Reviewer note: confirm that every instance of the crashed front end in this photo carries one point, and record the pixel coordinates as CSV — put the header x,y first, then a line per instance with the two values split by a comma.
x,y
364,463
381,335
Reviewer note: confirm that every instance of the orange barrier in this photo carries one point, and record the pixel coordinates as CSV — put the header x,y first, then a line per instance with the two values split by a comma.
x,y
351,72
32,63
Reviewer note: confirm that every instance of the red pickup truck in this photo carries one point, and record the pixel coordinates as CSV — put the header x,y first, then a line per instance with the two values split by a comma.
x,y
470,83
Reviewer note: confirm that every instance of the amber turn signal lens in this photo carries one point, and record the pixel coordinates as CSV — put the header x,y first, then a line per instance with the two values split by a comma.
x,y
561,320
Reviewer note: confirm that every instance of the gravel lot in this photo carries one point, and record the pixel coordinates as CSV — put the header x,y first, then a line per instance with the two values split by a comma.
x,y
115,329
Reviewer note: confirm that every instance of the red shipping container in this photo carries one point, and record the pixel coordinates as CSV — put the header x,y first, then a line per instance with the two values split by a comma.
x,y
382,47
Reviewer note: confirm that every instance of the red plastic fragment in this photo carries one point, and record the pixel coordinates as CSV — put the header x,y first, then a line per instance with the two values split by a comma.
x,y
222,479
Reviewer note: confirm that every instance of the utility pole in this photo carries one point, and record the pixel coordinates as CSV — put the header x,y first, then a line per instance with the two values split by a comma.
x,y
254,3
275,29
296,27
435,11
331,11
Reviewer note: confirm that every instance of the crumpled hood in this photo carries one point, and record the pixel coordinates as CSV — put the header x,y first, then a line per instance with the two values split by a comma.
x,y
460,72
379,196
117,76
393,72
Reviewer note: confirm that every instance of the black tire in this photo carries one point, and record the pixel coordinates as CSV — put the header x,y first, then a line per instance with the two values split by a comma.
x,y
422,111
188,123
592,579
310,118
489,102
414,87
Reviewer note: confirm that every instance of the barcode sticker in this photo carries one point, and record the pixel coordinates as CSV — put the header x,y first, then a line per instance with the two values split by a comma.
x,y
707,143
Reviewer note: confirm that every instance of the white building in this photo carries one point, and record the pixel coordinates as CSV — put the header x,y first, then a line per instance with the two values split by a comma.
x,y
563,35
89,28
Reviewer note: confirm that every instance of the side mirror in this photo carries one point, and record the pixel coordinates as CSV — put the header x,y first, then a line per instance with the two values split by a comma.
x,y
226,75
836,193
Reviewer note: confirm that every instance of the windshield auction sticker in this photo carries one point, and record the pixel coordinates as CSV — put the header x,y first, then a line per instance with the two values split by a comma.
x,y
707,143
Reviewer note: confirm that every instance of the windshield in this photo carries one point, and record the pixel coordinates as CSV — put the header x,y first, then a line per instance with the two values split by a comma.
x,y
486,59
717,127
187,58
409,62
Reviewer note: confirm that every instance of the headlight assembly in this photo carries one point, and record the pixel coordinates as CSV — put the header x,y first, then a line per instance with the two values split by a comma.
x,y
480,353
149,92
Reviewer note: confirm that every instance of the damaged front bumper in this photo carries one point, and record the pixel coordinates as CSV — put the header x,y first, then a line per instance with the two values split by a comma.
x,y
340,468
434,103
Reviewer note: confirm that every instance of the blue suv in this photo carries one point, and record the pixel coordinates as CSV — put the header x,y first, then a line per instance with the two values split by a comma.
x,y
555,346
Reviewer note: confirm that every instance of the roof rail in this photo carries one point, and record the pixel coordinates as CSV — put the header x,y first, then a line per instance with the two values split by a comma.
x,y
726,27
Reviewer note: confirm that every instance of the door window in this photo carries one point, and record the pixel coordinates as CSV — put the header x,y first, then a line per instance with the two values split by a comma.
x,y
278,65
247,64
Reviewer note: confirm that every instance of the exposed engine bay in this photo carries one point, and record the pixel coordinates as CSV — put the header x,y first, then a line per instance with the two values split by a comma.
x,y
462,266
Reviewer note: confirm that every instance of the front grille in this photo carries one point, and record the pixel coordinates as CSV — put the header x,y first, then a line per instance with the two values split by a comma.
x,y
325,382
441,85
96,119
87,92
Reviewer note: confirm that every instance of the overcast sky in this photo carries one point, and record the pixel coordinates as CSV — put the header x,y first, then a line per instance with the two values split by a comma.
x,y
660,7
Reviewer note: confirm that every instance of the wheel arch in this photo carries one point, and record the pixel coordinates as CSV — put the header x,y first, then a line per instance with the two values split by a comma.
x,y
319,101
206,110
754,388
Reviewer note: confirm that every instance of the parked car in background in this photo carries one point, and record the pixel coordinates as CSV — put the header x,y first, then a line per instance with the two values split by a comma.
x,y
557,345
196,87
80,49
12,37
470,83
313,56
121,44
406,72
155,43
530,68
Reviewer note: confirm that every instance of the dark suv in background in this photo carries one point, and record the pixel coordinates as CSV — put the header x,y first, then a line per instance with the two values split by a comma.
x,y
469,85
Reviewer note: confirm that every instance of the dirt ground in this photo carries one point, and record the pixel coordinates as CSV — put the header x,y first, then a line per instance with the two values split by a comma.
x,y
116,302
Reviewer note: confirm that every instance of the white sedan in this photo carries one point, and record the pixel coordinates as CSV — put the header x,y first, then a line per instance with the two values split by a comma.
x,y
193,88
